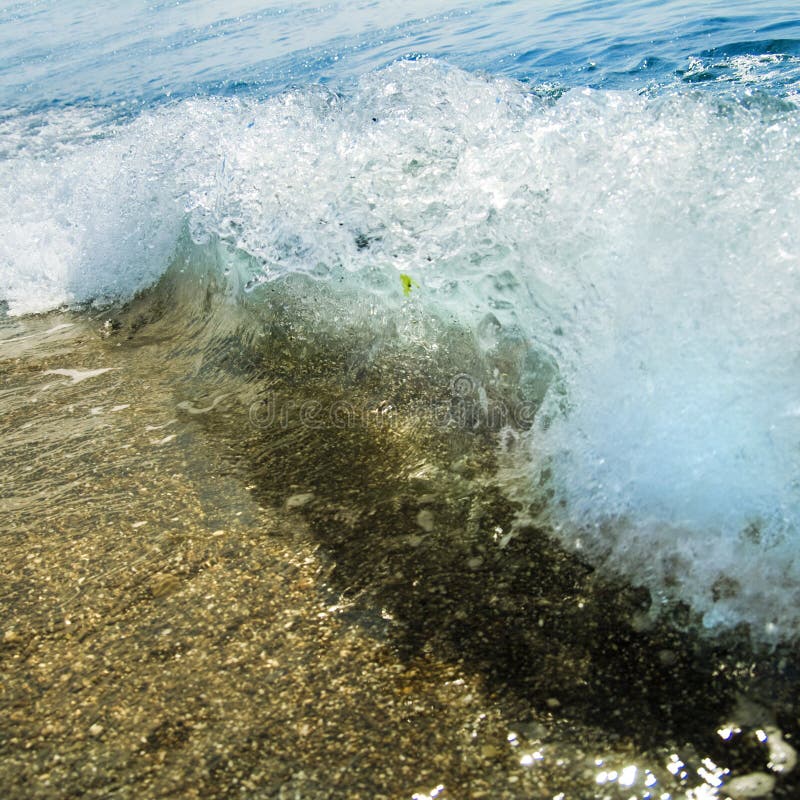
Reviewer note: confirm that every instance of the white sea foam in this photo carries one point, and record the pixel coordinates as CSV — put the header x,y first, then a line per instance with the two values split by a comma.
x,y
650,246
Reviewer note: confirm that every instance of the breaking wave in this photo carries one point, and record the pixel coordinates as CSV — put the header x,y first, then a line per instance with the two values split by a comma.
x,y
646,244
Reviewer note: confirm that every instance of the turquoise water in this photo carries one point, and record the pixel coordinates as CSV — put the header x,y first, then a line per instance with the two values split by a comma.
x,y
613,184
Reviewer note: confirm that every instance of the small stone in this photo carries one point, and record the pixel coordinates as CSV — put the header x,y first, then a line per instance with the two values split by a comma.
x,y
782,756
96,729
553,702
474,563
490,751
10,636
531,730
668,657
641,621
756,784
299,500
426,520
460,466
163,583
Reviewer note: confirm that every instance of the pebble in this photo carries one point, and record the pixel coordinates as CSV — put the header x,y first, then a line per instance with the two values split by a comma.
x,y
299,500
163,583
782,756
668,658
756,784
426,520
96,729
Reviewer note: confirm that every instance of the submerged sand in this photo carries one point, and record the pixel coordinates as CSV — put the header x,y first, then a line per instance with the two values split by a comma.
x,y
214,588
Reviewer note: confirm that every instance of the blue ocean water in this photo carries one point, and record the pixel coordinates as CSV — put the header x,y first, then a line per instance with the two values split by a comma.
x,y
143,53
616,183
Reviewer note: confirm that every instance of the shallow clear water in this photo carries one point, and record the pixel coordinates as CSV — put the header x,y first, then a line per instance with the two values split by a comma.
x,y
573,226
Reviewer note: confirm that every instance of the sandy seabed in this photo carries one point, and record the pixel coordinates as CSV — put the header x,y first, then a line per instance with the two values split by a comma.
x,y
208,593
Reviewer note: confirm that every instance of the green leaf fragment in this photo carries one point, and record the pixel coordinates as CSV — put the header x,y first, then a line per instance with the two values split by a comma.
x,y
408,283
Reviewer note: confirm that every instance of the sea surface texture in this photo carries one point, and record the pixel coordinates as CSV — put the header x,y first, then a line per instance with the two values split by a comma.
x,y
566,235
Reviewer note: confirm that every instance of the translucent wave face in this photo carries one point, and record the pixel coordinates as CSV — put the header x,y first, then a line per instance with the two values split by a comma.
x,y
649,246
